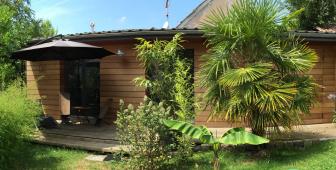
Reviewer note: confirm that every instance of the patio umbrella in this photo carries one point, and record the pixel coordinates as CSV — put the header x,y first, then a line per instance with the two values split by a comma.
x,y
61,50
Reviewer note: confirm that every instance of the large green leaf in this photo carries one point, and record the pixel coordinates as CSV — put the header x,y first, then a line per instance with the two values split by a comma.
x,y
238,136
233,130
195,132
234,136
185,128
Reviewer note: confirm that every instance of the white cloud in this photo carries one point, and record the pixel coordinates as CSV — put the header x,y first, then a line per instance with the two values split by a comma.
x,y
123,19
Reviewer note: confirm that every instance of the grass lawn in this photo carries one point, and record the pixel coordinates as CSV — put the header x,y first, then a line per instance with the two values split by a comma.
x,y
319,156
44,157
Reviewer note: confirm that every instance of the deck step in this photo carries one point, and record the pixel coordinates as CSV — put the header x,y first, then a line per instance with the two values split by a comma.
x,y
80,144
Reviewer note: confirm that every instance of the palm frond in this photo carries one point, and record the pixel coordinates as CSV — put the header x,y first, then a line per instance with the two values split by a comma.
x,y
292,56
279,98
236,77
306,95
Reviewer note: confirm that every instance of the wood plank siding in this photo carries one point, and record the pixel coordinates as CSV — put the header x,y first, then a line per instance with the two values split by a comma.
x,y
324,74
116,77
44,80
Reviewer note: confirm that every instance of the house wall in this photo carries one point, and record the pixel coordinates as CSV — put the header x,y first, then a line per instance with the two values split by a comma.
x,y
200,14
324,73
117,74
43,82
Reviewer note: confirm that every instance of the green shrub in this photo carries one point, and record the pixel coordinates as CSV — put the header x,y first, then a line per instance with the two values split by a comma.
x,y
144,134
17,122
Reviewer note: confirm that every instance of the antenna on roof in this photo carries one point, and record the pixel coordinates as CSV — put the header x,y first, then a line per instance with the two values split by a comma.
x,y
92,26
166,24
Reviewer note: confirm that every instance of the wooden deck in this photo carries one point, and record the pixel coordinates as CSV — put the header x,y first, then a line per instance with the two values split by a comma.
x,y
87,137
104,139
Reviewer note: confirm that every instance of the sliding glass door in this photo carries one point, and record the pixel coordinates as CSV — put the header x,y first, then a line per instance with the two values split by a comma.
x,y
82,82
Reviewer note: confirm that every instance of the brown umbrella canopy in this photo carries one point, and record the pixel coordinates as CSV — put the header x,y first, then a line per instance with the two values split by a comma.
x,y
61,50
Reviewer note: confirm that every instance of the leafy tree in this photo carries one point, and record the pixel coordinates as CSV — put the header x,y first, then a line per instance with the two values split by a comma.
x,y
255,72
167,77
234,136
317,13
43,28
17,27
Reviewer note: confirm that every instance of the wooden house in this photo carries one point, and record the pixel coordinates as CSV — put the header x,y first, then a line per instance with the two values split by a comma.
x,y
112,77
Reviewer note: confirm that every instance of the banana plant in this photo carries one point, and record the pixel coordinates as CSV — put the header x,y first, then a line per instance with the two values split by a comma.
x,y
234,136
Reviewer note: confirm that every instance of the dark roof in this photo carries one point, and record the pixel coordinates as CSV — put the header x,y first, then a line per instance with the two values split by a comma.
x,y
131,34
168,33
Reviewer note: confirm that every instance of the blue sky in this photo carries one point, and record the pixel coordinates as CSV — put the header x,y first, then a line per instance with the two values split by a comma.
x,y
74,16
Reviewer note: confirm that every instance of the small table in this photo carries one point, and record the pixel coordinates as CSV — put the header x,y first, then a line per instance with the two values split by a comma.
x,y
81,109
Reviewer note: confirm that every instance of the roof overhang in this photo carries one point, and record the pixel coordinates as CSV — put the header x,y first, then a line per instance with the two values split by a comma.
x,y
188,33
131,34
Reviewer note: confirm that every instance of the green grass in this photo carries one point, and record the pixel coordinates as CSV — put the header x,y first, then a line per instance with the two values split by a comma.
x,y
44,157
319,156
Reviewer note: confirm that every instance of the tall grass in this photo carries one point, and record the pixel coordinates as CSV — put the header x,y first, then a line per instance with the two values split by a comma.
x,y
17,122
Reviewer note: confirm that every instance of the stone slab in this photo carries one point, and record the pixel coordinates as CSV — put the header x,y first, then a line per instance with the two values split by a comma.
x,y
99,158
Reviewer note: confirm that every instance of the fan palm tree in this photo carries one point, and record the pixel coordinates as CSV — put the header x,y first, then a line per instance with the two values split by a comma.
x,y
256,68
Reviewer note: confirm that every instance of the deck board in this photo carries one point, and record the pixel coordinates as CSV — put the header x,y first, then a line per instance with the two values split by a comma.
x,y
86,137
